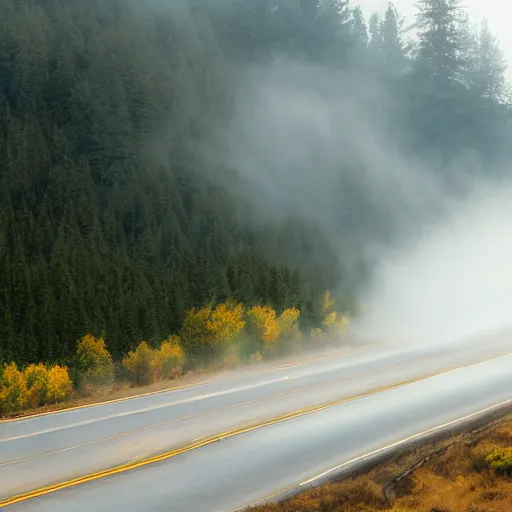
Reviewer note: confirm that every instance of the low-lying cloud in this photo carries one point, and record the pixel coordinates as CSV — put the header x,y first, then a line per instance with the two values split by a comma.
x,y
328,147
323,145
452,281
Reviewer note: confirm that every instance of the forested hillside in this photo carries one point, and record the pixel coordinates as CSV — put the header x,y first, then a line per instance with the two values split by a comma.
x,y
113,220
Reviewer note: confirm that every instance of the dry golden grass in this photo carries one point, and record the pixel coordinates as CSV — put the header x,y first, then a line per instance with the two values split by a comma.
x,y
352,496
457,479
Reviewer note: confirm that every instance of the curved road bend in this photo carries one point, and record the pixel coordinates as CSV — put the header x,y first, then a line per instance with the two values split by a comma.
x,y
48,449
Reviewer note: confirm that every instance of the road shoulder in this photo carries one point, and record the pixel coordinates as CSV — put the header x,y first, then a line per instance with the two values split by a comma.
x,y
449,473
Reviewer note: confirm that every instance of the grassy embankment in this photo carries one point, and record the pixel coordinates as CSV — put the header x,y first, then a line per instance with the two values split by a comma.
x,y
469,472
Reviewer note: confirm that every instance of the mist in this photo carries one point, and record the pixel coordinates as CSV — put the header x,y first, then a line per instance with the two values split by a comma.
x,y
453,280
331,146
327,146
321,145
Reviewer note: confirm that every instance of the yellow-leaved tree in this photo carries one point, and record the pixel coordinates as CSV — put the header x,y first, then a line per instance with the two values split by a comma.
x,y
94,362
263,324
141,365
337,322
327,302
207,333
333,321
170,358
226,321
37,379
13,389
60,386
290,334
197,340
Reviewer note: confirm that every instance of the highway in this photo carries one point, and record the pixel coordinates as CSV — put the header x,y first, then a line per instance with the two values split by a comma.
x,y
243,436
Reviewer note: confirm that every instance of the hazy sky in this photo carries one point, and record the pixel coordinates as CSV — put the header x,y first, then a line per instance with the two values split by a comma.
x,y
497,12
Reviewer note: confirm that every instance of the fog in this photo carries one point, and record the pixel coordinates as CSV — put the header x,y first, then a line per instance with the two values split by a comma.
x,y
451,281
496,12
323,145
311,142
301,132
326,146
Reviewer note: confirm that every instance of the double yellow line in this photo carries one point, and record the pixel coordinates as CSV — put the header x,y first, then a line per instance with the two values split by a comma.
x,y
225,435
159,458
213,411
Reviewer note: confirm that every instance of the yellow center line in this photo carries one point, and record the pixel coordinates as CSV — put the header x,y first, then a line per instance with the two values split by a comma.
x,y
228,434
213,411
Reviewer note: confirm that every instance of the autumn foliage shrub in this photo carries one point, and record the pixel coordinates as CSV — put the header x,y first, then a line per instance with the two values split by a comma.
x,y
197,339
226,321
268,334
170,358
290,334
37,385
333,321
141,365
263,325
13,389
94,362
60,386
37,379
500,460
207,332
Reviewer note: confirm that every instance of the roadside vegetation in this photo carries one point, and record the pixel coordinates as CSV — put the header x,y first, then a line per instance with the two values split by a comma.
x,y
468,473
212,337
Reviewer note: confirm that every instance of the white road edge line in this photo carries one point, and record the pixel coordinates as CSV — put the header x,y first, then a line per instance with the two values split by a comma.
x,y
403,441
216,378
146,409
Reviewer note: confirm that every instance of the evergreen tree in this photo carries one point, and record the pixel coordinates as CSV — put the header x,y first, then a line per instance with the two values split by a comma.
x,y
393,47
491,65
359,29
439,56
375,42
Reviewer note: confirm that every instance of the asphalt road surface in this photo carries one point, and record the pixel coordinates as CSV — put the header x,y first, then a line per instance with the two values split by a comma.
x,y
384,395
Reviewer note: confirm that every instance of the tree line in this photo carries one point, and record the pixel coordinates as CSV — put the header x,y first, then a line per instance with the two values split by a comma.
x,y
222,336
